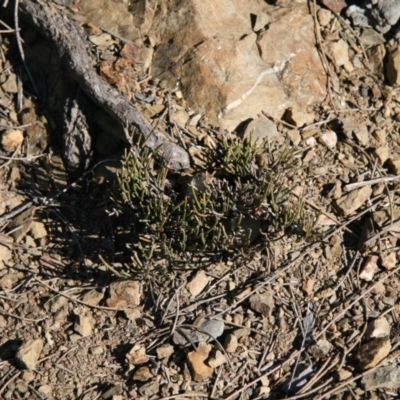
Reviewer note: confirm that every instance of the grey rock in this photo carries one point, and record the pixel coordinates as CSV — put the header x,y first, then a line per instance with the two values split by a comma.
x,y
370,37
206,332
384,377
261,129
357,15
387,13
381,15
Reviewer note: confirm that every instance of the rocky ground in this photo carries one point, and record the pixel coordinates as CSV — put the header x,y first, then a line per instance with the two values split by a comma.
x,y
309,309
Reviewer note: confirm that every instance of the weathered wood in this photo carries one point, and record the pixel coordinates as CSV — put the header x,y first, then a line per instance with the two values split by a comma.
x,y
69,41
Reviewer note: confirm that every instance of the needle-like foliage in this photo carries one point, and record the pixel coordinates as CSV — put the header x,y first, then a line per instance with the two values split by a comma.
x,y
244,199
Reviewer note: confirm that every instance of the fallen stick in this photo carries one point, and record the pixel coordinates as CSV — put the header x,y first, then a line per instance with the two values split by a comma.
x,y
69,41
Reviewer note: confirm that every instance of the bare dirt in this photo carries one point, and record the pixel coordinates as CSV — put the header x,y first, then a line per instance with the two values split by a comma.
x,y
313,313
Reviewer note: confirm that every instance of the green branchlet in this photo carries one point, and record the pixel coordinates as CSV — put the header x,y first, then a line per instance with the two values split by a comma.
x,y
221,212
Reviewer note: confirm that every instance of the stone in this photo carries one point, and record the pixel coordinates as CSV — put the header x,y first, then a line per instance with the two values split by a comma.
x,y
387,377
83,325
217,359
379,288
329,139
294,136
210,329
335,5
378,328
308,286
362,135
74,338
113,16
180,117
38,230
21,386
137,355
389,260
263,303
146,57
29,352
113,391
149,389
339,51
393,66
351,126
349,67
104,40
298,118
142,374
133,313
230,343
262,129
5,254
11,139
383,218
227,71
27,376
45,390
344,374
370,37
30,242
124,294
321,349
194,119
324,16
326,221
376,91
382,153
351,202
196,361
325,293
241,332
369,268
96,350
92,297
394,165
164,351
310,142
263,391
376,57
386,14
372,353
7,281
198,283
11,84
361,15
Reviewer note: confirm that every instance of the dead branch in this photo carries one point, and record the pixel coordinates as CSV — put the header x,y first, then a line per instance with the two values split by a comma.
x,y
69,41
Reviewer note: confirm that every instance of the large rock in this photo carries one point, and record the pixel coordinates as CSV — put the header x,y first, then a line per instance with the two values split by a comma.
x,y
229,72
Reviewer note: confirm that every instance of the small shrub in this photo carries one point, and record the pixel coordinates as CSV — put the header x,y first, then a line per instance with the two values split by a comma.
x,y
245,198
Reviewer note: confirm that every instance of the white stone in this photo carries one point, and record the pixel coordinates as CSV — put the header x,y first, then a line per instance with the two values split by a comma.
x,y
198,283
340,52
369,268
329,139
378,328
